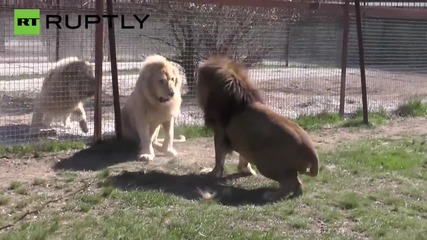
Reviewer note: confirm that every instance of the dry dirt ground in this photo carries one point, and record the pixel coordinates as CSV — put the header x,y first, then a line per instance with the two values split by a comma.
x,y
194,155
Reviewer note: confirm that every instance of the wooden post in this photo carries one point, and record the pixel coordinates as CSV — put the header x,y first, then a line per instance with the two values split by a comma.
x,y
114,77
99,36
344,54
362,63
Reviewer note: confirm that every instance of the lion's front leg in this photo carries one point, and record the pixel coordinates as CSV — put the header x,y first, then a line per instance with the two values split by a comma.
x,y
147,151
154,131
36,122
220,154
67,121
81,114
167,146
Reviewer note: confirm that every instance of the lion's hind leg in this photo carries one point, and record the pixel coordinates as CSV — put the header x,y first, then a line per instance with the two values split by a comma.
x,y
289,187
81,114
39,122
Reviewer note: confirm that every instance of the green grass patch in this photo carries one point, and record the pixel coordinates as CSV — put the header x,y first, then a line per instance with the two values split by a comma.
x,y
414,107
333,120
68,176
4,200
406,157
373,189
316,121
375,118
39,181
189,131
15,185
35,149
103,173
21,190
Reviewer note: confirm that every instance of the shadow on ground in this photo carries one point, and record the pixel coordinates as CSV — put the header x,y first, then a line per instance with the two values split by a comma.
x,y
186,186
99,156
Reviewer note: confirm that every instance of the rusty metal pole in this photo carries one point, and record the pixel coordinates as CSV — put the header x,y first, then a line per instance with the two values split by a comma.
x,y
57,36
288,32
344,56
114,77
362,62
99,36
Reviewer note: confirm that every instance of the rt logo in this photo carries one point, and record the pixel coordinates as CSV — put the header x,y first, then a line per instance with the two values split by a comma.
x,y
26,21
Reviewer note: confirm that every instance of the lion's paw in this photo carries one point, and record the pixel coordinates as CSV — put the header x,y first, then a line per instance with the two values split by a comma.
x,y
206,170
211,172
146,157
171,152
247,171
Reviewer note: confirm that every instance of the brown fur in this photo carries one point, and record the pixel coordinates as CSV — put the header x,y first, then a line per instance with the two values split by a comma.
x,y
279,147
64,89
154,102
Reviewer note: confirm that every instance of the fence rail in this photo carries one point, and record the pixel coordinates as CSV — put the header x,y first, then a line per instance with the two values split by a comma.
x,y
295,49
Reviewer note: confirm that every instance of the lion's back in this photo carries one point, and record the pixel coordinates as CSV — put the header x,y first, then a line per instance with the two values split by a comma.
x,y
59,90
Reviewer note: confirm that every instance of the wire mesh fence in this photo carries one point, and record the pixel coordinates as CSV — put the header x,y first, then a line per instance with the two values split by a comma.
x,y
294,54
396,58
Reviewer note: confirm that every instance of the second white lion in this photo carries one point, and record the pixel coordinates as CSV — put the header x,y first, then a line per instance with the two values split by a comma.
x,y
64,89
154,102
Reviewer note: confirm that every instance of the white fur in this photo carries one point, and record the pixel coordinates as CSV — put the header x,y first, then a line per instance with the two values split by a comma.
x,y
144,113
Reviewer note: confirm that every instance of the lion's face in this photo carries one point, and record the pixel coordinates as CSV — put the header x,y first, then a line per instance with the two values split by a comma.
x,y
166,84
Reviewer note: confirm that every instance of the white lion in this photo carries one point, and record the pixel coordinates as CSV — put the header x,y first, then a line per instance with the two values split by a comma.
x,y
154,102
64,89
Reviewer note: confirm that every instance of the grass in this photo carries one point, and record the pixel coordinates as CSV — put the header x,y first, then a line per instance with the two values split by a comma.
x,y
190,131
375,118
4,200
414,107
316,121
334,120
371,189
36,149
39,181
15,185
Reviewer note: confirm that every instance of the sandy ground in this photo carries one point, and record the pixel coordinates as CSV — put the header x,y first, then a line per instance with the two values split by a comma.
x,y
194,155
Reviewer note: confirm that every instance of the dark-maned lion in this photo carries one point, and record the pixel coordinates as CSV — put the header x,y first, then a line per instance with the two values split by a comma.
x,y
233,108
64,89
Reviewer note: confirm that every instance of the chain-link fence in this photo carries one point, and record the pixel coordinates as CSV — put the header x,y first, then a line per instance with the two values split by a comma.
x,y
294,50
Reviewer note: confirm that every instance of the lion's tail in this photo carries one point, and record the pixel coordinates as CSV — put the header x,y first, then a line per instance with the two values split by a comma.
x,y
180,139
314,165
314,169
